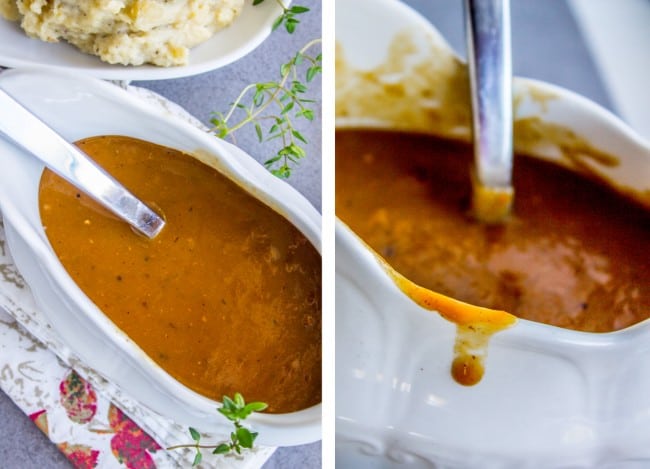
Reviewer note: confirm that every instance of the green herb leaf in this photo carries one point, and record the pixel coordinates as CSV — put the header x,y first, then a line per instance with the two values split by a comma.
x,y
270,161
278,21
286,68
296,150
299,136
245,438
306,113
228,409
258,97
198,457
290,25
256,406
283,172
298,87
223,448
312,72
287,108
196,436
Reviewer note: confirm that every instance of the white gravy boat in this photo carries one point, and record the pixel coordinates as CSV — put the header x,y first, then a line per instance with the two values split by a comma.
x,y
79,107
550,397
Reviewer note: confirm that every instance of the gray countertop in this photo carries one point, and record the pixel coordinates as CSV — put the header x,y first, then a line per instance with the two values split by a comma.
x,y
22,445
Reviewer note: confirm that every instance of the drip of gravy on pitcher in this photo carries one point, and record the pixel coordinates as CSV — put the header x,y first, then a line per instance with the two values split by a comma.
x,y
572,255
474,326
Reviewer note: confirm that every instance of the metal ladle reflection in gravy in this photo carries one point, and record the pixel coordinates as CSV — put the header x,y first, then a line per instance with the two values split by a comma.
x,y
574,254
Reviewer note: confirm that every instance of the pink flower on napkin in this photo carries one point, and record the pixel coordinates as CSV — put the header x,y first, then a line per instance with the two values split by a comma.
x,y
81,456
131,444
78,398
40,419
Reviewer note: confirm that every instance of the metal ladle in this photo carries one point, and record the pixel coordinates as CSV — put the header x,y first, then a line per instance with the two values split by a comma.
x,y
490,70
23,128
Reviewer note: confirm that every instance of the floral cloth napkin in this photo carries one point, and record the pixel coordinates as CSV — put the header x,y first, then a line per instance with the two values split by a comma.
x,y
89,419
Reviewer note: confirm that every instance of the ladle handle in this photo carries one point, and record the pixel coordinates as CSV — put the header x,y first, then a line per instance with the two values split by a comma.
x,y
31,134
490,70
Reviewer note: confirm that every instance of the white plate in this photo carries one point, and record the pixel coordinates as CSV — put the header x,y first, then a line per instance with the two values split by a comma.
x,y
226,46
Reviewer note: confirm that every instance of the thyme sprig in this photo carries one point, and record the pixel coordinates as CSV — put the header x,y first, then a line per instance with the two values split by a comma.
x,y
287,98
241,438
288,16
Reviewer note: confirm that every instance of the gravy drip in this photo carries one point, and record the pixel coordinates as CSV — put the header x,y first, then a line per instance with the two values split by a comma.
x,y
474,327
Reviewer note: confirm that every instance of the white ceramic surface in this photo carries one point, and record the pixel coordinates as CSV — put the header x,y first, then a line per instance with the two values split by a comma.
x,y
82,107
550,397
226,46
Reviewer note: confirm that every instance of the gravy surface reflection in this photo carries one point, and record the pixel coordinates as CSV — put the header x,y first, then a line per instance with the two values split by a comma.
x,y
574,254
227,298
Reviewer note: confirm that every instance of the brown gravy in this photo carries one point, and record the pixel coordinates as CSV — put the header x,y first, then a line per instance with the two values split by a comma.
x,y
574,254
226,299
